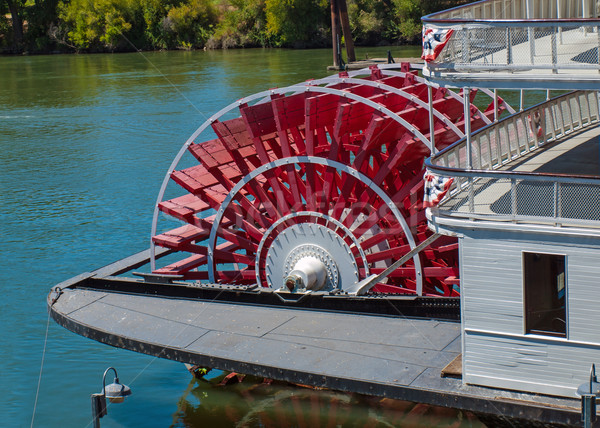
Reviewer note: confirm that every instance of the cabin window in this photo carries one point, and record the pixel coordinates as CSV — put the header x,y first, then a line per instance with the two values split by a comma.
x,y
545,294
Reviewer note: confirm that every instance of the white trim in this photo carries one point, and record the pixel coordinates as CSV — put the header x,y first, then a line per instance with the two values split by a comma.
x,y
520,385
446,225
533,337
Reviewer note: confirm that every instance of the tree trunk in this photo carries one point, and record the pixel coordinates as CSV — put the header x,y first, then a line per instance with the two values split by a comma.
x,y
17,23
343,9
335,32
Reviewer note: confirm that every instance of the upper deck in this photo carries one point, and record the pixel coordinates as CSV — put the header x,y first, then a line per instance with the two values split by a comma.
x,y
539,168
543,44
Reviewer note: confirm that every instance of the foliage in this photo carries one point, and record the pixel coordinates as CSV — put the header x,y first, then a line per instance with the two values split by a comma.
x,y
154,12
285,27
39,16
243,23
117,25
407,22
191,23
99,23
368,20
5,32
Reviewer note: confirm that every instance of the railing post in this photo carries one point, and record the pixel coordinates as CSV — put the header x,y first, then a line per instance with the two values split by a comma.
x,y
521,95
498,142
558,16
465,47
530,32
508,47
598,48
554,52
431,126
584,14
513,199
495,105
557,203
467,116
471,196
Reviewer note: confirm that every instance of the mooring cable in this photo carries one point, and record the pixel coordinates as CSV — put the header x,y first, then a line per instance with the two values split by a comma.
x,y
37,393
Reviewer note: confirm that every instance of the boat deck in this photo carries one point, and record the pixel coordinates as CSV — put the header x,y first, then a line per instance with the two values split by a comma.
x,y
575,62
392,356
578,155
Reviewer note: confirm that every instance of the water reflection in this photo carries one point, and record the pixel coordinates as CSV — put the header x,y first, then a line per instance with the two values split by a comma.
x,y
256,403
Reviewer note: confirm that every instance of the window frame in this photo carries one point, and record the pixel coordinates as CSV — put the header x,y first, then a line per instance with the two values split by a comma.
x,y
528,328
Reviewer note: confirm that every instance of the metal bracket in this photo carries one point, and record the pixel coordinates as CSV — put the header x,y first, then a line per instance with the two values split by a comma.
x,y
158,277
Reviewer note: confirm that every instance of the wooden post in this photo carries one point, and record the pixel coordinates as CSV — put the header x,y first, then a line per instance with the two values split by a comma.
x,y
335,32
343,10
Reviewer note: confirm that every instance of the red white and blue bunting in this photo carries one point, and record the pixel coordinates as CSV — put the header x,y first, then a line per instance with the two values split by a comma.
x,y
436,188
434,40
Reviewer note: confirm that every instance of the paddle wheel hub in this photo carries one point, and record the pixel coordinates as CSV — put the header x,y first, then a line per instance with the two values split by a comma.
x,y
312,256
317,186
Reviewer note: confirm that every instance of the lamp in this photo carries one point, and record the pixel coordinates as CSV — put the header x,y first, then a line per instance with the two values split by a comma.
x,y
115,392
589,391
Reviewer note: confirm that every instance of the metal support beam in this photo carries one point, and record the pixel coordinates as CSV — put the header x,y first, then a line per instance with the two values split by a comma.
x,y
369,282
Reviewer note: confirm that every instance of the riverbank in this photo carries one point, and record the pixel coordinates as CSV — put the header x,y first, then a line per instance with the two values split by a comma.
x,y
10,52
116,26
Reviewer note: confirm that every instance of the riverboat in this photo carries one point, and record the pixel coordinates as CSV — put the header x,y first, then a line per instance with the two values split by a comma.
x,y
399,231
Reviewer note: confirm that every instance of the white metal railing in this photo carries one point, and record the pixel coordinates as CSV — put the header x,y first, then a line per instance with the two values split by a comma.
x,y
519,9
485,188
517,35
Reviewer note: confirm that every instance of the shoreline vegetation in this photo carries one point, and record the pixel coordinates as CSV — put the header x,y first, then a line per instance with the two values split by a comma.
x,y
89,26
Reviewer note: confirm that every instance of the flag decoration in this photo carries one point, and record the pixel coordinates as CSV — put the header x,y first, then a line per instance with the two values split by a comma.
x,y
436,188
434,40
536,124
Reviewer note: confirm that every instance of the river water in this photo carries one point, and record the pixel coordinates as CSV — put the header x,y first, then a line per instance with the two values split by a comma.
x,y
85,142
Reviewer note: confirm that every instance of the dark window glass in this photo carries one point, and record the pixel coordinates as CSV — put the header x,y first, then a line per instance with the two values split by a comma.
x,y
545,294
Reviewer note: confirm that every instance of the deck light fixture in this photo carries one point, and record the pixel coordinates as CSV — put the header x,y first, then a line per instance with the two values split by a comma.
x,y
589,391
115,392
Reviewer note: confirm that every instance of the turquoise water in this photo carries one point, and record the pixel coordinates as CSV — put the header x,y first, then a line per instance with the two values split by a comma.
x,y
85,142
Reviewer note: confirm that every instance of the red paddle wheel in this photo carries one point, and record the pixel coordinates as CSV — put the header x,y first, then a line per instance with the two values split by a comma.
x,y
317,186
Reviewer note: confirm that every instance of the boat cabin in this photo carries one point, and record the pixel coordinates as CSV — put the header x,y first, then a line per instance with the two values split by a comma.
x,y
525,196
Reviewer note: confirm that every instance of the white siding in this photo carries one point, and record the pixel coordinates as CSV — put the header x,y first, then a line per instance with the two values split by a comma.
x,y
496,350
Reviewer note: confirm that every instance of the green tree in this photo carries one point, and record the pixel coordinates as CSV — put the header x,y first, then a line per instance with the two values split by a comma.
x,y
101,25
98,25
156,33
243,23
299,23
15,7
192,23
41,18
406,25
369,20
